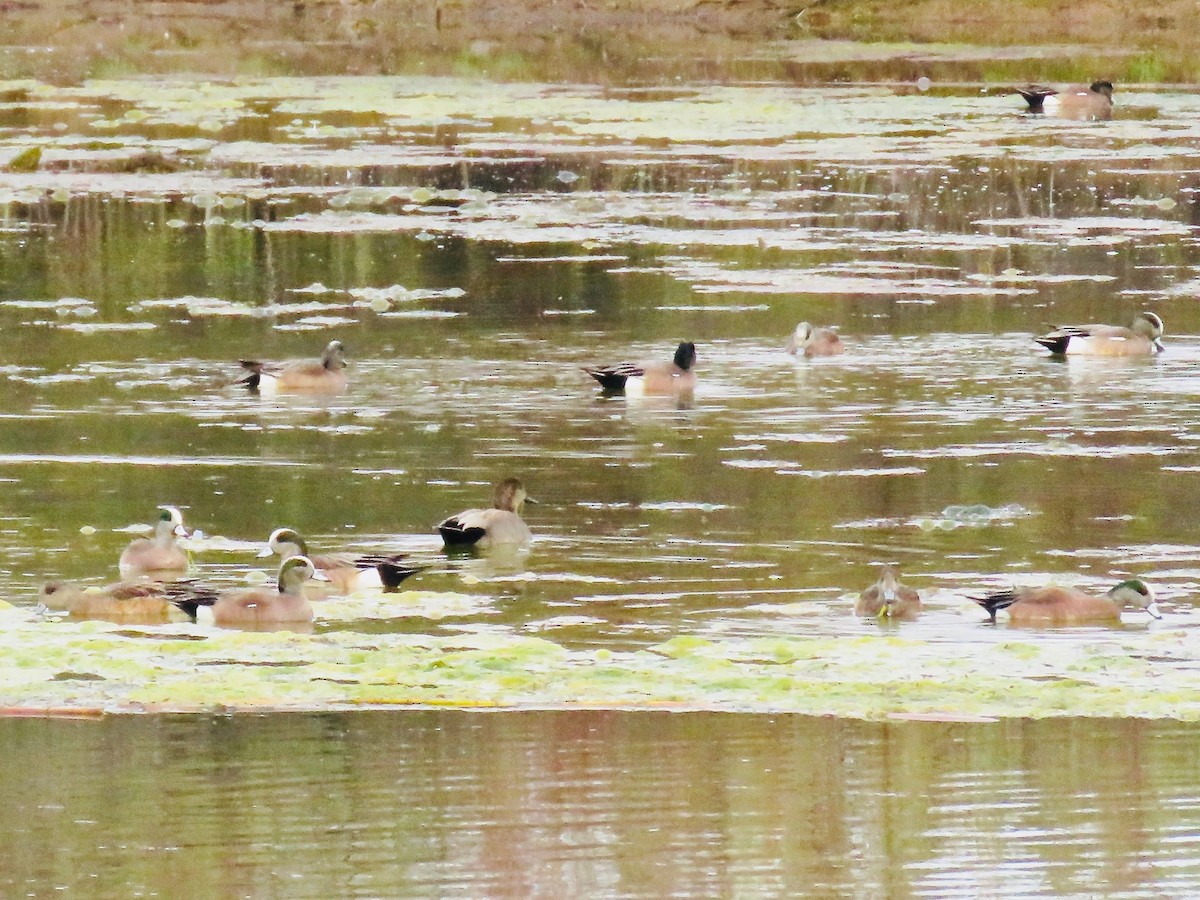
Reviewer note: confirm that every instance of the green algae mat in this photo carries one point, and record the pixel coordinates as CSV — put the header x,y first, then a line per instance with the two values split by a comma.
x,y
56,666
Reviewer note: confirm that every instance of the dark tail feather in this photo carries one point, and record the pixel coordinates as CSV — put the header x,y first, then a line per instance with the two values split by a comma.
x,y
993,603
190,605
1035,96
1055,343
393,571
455,535
189,596
610,381
252,380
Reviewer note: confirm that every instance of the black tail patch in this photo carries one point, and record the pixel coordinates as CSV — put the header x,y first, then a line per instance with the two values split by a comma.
x,y
1055,343
254,379
997,601
455,534
189,596
393,571
1035,95
609,380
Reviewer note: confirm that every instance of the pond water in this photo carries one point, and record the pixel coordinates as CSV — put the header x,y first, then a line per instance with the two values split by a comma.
x,y
473,245
597,804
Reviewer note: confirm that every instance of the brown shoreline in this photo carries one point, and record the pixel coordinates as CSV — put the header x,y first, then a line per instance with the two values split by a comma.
x,y
618,41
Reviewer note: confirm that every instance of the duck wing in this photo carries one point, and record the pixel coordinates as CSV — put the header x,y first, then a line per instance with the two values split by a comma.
x,y
465,528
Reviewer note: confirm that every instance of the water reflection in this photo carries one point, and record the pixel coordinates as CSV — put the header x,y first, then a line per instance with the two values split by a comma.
x,y
472,263
599,804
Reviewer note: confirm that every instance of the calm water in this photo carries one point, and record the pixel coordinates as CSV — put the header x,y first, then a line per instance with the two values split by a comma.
x,y
595,804
473,245
938,232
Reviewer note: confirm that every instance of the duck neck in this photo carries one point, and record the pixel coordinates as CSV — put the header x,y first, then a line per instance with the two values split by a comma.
x,y
164,533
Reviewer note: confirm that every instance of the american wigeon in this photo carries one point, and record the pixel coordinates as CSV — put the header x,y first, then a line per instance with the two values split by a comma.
x,y
673,379
811,341
346,572
146,602
888,598
1143,338
159,556
324,376
284,604
1079,101
502,524
1067,606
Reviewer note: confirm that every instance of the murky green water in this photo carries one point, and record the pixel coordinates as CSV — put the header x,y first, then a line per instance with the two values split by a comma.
x,y
939,233
473,246
597,804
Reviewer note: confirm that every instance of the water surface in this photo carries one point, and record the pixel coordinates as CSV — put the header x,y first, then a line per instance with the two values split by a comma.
x,y
597,804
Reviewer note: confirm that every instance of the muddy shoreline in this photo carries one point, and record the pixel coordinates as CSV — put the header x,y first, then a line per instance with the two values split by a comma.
x,y
619,41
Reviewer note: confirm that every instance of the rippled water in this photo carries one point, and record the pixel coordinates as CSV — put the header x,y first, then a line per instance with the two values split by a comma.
x,y
598,804
473,246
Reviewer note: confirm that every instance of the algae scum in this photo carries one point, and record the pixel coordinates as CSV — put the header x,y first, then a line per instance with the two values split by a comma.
x,y
473,245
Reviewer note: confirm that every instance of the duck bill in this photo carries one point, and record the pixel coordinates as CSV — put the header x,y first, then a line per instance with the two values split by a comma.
x,y
1153,609
180,531
264,553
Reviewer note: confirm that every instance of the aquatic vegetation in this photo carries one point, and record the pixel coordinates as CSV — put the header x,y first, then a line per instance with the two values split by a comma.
x,y
472,244
92,665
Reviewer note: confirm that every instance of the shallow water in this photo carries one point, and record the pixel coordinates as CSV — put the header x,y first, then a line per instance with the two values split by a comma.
x,y
597,804
473,246
472,272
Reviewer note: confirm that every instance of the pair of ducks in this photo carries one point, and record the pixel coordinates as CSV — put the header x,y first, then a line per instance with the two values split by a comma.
x,y
328,376
1053,605
161,557
1142,338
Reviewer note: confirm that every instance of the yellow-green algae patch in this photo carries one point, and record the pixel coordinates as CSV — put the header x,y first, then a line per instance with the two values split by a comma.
x,y
61,665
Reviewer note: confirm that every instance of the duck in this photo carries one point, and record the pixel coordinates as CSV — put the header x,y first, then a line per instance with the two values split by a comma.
x,y
1055,605
888,598
346,572
324,376
673,379
1142,338
500,525
159,556
144,601
1078,101
285,604
810,341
